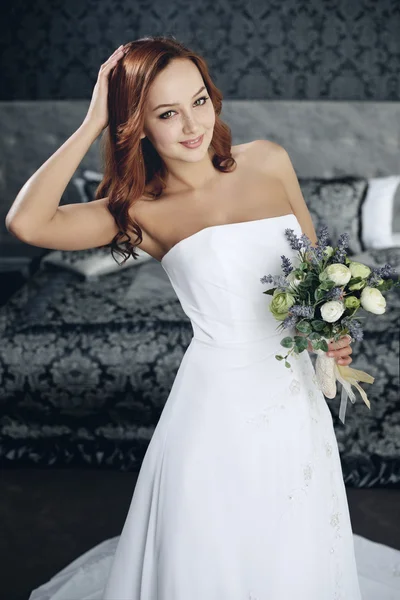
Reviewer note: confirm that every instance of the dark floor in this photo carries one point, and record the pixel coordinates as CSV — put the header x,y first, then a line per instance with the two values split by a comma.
x,y
50,516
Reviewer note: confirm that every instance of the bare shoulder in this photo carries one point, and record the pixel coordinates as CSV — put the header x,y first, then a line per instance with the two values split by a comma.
x,y
265,154
274,160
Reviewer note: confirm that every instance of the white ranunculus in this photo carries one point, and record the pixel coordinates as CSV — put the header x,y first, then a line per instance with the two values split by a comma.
x,y
359,270
292,279
332,311
373,301
328,251
338,273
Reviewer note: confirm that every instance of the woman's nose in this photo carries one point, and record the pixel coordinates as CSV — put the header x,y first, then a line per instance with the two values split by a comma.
x,y
189,124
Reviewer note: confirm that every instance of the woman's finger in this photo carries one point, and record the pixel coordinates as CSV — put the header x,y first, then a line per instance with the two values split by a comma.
x,y
115,55
344,361
343,351
119,49
335,348
344,341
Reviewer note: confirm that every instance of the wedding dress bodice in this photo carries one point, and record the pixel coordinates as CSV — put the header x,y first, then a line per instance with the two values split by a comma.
x,y
216,273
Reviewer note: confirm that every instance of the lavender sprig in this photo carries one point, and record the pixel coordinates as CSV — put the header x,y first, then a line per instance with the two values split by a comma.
x,y
300,310
340,254
286,265
289,321
323,237
277,280
294,241
334,294
306,242
317,252
354,328
385,272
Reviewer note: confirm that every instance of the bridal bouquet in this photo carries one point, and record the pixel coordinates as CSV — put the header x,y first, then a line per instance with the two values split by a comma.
x,y
320,298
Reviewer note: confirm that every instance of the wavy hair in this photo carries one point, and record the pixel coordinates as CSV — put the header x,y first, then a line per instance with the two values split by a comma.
x,y
129,162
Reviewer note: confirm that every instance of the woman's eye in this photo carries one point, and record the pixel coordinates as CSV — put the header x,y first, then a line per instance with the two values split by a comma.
x,y
205,98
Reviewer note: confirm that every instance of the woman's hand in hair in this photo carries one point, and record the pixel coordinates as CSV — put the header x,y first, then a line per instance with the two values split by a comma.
x,y
97,113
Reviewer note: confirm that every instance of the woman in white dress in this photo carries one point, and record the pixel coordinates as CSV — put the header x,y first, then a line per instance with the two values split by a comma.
x,y
240,495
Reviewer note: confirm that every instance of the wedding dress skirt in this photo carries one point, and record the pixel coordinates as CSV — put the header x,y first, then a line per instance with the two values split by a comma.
x,y
240,495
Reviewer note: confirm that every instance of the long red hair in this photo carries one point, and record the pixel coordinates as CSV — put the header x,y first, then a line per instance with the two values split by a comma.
x,y
129,162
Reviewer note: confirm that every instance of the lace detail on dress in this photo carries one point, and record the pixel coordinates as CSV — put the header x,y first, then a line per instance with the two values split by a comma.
x,y
263,418
295,386
335,522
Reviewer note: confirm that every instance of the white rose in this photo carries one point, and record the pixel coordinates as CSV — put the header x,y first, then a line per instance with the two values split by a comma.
x,y
292,279
328,251
338,273
359,270
332,311
373,301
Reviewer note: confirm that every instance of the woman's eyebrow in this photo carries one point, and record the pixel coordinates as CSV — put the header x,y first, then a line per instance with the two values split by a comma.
x,y
175,103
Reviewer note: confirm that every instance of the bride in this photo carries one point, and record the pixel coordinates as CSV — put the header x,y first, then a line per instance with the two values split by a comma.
x,y
240,494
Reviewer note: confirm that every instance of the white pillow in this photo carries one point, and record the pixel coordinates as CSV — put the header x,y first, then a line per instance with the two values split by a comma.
x,y
396,239
92,262
377,213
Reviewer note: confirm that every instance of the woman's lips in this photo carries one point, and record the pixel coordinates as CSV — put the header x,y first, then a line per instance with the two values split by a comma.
x,y
194,145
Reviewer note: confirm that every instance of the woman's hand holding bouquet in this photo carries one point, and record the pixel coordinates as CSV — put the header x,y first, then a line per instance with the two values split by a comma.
x,y
320,298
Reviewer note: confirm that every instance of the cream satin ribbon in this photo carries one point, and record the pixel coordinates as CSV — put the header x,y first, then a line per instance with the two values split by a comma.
x,y
348,376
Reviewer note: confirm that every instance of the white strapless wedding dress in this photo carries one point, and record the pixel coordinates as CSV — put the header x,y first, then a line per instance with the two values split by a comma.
x,y
240,495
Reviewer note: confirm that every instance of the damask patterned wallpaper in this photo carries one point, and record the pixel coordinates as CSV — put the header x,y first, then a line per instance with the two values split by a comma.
x,y
256,49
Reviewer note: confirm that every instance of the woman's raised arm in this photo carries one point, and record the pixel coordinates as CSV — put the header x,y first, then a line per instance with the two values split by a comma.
x,y
35,215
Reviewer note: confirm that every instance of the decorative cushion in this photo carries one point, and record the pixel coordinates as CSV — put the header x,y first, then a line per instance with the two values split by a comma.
x,y
378,212
336,203
92,262
87,183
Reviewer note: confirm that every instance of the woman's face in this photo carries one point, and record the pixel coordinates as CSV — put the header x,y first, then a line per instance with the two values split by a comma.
x,y
190,114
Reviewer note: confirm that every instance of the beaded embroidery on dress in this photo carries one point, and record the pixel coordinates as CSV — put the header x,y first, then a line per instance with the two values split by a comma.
x,y
240,495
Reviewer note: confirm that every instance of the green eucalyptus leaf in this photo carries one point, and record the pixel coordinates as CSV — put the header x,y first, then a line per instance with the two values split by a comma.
x,y
304,327
323,345
318,325
314,336
287,342
301,343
